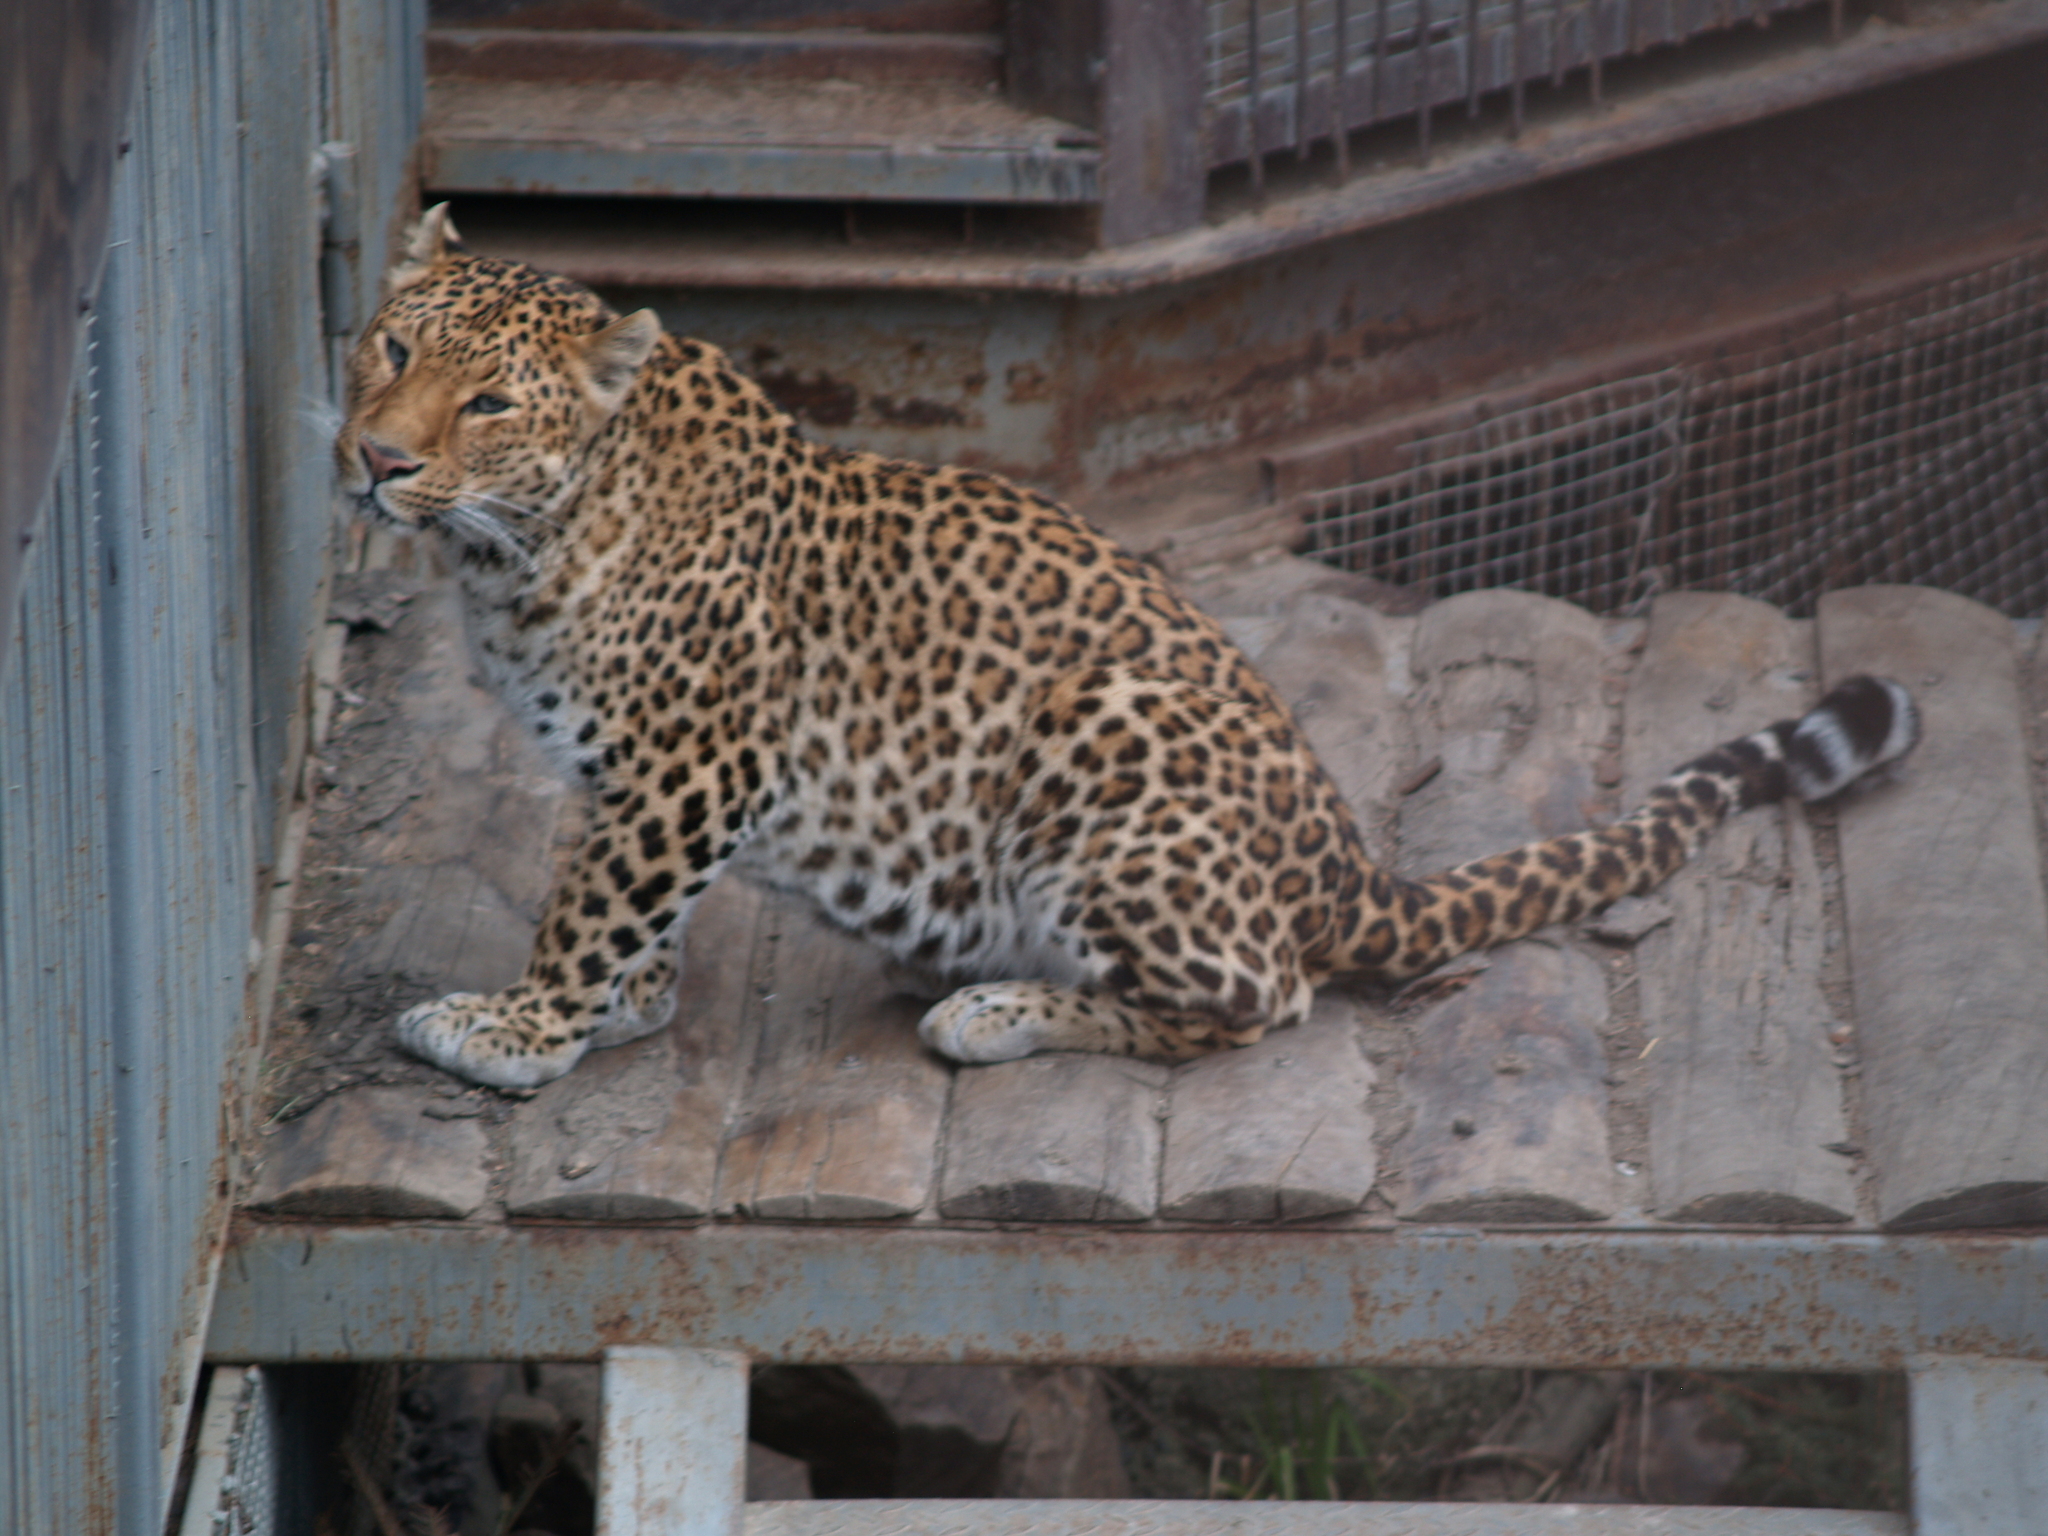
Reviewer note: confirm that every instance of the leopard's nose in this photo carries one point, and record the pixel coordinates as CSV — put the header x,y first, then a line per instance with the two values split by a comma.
x,y
386,463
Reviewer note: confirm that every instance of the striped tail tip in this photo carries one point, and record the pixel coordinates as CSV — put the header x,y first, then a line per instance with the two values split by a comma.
x,y
1862,723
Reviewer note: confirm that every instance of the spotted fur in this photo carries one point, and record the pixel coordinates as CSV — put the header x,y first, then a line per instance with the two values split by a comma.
x,y
964,722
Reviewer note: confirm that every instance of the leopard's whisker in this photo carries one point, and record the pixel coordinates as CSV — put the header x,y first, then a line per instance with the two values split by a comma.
x,y
491,501
325,417
466,516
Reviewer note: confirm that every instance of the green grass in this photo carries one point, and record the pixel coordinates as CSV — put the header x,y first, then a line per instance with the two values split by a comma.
x,y
1810,1441
1300,1434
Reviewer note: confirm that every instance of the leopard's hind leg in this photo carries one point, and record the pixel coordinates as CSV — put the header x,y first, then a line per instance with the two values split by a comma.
x,y
1161,986
1185,895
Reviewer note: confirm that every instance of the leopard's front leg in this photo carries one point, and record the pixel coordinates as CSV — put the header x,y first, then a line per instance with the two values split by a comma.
x,y
605,962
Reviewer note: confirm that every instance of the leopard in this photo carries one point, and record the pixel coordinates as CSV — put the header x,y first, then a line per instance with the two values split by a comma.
x,y
966,724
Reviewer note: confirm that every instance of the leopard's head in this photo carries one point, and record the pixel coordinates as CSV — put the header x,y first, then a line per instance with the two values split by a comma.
x,y
476,391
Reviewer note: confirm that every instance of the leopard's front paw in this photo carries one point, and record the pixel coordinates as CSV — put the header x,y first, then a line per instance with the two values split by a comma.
x,y
641,1003
998,1022
464,1034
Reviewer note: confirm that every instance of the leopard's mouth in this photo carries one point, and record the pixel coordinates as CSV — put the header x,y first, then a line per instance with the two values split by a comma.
x,y
374,510
370,506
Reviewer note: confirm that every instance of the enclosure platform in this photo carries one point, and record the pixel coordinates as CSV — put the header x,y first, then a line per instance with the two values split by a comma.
x,y
642,139
1831,1020
835,140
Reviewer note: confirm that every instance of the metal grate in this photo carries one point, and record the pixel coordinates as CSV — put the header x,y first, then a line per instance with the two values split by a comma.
x,y
371,1440
1407,57
249,1492
1905,441
234,1490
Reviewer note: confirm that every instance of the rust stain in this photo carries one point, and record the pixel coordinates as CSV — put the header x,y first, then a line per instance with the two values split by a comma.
x,y
817,397
1026,384
916,412
1300,363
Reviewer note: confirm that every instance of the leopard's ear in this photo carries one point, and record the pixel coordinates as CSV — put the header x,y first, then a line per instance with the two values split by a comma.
x,y
613,356
429,243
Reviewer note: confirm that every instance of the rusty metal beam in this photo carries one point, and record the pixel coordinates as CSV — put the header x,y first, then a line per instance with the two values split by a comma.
x,y
939,173
1190,1517
706,15
1560,1299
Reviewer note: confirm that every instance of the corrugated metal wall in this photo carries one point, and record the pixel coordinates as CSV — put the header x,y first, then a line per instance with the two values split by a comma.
x,y
145,709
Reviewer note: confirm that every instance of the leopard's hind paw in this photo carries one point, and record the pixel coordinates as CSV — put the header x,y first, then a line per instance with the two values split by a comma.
x,y
996,1022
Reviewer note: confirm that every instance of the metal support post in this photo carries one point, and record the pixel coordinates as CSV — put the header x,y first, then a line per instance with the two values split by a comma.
x,y
1980,1446
1154,173
673,1457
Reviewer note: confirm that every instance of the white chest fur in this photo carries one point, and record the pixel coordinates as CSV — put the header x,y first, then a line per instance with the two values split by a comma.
x,y
532,670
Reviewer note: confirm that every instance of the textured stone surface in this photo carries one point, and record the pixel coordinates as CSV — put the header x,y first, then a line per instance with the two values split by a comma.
x,y
1948,926
1275,1132
374,1152
841,1110
1508,1092
1745,1098
1054,1138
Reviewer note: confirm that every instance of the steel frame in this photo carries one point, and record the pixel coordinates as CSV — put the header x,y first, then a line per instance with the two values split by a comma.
x,y
1559,1299
678,1313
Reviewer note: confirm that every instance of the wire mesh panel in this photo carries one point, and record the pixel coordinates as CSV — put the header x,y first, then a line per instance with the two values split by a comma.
x,y
1558,497
1904,441
1281,73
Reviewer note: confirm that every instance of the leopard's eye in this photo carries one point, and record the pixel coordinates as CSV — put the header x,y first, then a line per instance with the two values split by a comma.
x,y
396,351
487,405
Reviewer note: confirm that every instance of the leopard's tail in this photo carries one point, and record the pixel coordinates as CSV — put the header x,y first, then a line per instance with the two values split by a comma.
x,y
1412,925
